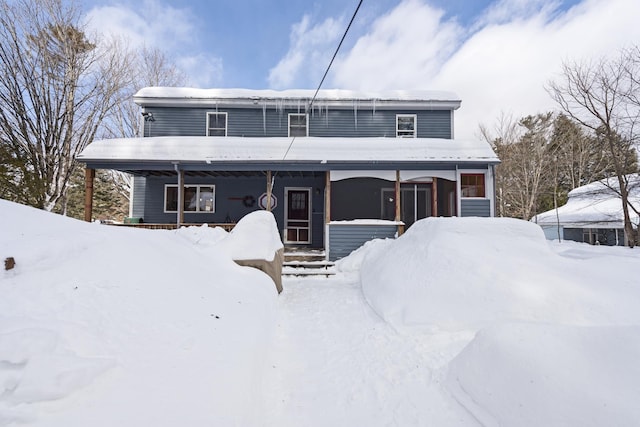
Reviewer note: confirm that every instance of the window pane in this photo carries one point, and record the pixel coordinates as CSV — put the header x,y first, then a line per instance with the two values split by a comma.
x,y
405,123
472,185
190,199
297,125
217,124
298,120
206,199
406,126
295,131
171,199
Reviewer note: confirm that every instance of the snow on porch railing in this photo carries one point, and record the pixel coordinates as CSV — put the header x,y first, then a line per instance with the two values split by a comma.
x,y
167,226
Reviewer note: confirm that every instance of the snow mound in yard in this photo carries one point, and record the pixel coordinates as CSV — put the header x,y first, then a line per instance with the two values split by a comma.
x,y
255,236
114,326
467,273
550,375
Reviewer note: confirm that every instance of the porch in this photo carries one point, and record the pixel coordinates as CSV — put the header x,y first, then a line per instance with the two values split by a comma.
x,y
318,189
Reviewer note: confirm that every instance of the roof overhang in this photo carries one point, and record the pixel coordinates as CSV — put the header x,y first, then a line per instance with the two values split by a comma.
x,y
336,99
220,154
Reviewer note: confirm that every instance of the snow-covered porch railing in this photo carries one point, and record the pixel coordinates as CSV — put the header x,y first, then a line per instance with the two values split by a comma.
x,y
172,226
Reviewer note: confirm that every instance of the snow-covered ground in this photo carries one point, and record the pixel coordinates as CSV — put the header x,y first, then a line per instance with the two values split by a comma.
x,y
460,322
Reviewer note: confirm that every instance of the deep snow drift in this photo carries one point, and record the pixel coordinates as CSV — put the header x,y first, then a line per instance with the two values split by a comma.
x,y
108,326
558,339
460,321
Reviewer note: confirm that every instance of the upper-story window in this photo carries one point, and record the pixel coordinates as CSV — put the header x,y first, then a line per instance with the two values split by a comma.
x,y
472,184
216,124
406,125
298,125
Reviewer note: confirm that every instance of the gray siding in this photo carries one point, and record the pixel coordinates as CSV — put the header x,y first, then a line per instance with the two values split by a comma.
x,y
345,238
604,236
229,206
171,121
475,207
139,194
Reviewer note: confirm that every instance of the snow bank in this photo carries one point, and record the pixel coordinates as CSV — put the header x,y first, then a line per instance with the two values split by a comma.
x,y
107,326
469,273
255,236
550,375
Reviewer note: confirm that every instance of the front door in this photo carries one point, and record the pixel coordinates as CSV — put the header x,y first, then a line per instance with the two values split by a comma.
x,y
297,215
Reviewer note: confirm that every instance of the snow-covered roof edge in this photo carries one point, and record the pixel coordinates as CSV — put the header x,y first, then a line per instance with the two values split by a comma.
x,y
281,149
594,205
154,95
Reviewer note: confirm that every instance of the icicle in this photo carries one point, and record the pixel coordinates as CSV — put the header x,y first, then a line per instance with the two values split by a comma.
x,y
264,116
279,109
374,105
355,113
326,115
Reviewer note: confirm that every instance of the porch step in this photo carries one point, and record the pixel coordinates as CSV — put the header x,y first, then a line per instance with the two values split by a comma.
x,y
306,269
301,255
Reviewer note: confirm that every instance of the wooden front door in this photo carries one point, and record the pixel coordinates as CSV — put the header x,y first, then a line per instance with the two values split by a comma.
x,y
297,215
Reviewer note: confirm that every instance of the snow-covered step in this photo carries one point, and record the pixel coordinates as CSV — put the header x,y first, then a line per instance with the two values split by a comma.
x,y
309,268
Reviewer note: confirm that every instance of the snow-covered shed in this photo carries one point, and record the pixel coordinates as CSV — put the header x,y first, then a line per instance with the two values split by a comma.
x,y
593,213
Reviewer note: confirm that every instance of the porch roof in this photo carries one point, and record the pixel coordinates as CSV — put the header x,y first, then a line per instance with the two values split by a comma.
x,y
299,154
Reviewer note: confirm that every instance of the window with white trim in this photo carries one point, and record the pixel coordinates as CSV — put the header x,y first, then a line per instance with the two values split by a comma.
x,y
406,125
197,198
472,184
298,125
216,124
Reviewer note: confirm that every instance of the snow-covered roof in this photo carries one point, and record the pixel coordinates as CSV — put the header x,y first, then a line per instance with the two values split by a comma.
x,y
321,151
181,95
595,205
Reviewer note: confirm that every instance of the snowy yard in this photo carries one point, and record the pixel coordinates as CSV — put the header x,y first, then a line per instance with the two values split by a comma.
x,y
461,322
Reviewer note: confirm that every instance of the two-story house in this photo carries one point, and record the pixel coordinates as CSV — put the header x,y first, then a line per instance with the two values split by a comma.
x,y
336,169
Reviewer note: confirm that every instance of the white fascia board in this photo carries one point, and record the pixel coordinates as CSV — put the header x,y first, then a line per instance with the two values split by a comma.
x,y
363,104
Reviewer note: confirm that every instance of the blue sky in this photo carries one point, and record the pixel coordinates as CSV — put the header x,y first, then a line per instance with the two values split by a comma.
x,y
496,55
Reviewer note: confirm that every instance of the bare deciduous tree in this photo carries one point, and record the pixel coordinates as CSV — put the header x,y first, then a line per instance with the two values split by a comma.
x,y
602,96
151,67
56,87
524,148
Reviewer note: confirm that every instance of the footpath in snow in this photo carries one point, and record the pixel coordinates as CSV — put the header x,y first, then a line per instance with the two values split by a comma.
x,y
337,363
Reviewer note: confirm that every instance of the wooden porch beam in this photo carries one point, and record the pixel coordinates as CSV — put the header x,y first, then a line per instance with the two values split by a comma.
x,y
398,211
269,191
327,197
180,218
434,197
89,178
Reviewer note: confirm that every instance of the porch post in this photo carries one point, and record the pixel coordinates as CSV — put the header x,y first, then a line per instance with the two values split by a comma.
x,y
89,177
180,218
398,213
268,191
327,197
434,197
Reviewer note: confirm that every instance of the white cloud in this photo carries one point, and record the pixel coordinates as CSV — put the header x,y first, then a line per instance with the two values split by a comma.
x,y
204,71
311,48
500,64
403,50
152,23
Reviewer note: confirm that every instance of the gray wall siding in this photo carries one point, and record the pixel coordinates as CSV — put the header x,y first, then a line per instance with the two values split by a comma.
x,y
475,207
139,194
171,121
345,238
229,206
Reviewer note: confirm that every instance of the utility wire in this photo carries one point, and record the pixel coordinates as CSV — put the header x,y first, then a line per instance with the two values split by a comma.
x,y
353,17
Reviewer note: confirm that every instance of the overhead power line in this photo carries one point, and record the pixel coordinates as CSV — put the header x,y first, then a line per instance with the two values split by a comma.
x,y
335,54
353,17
